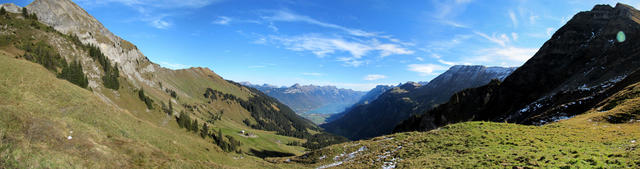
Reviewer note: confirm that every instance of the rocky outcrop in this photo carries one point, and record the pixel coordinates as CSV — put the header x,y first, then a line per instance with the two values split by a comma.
x,y
69,18
10,7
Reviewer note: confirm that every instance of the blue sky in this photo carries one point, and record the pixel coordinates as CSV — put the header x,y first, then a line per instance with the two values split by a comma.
x,y
353,44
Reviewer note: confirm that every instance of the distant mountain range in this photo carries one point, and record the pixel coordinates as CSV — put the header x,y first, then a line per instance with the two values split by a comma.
x,y
372,95
311,100
380,116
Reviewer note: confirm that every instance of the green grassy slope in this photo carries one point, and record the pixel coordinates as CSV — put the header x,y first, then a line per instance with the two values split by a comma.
x,y
189,84
596,139
40,111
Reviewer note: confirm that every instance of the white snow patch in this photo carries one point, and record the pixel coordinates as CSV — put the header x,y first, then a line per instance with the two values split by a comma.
x,y
322,157
345,158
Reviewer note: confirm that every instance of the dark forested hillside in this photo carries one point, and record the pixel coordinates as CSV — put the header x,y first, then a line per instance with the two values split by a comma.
x,y
395,105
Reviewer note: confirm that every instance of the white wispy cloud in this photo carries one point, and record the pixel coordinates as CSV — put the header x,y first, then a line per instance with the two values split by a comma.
x,y
160,24
447,10
446,62
420,59
166,4
322,46
506,56
391,49
372,77
513,18
313,74
453,24
501,39
443,45
256,66
350,61
426,69
287,16
260,66
549,31
222,20
174,66
153,12
532,19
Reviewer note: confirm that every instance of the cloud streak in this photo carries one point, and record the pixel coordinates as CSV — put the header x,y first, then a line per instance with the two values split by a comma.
x,y
174,66
286,16
148,9
513,18
313,74
322,46
222,20
426,69
373,77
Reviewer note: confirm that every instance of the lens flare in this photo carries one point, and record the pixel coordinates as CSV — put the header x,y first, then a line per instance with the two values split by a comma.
x,y
621,37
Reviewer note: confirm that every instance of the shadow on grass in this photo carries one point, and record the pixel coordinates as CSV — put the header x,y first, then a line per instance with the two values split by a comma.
x,y
267,153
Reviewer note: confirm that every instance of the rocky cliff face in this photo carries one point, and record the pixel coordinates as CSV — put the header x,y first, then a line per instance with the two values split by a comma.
x,y
10,7
397,104
589,54
69,18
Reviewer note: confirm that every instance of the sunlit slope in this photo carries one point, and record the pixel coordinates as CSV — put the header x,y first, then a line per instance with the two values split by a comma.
x,y
39,112
605,137
189,85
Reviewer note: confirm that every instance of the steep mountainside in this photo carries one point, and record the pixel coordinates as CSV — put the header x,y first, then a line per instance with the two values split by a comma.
x,y
568,75
383,114
123,109
366,99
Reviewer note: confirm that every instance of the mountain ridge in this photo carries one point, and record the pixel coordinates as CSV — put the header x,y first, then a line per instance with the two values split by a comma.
x,y
311,101
399,103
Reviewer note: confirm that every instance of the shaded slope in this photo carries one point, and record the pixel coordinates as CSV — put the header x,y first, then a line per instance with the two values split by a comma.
x,y
395,105
369,97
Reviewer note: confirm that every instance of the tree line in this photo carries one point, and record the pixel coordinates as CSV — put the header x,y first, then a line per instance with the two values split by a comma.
x,y
226,143
144,98
43,54
284,121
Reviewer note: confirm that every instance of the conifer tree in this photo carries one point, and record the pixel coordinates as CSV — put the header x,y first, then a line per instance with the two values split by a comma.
x,y
25,14
204,131
170,108
219,139
194,126
3,11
